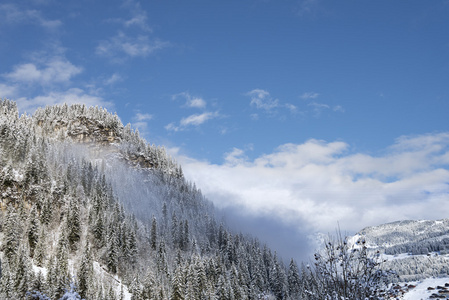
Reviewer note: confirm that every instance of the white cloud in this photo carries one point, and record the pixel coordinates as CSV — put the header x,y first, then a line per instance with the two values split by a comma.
x,y
113,79
338,108
235,157
139,16
316,184
309,95
194,120
197,102
140,121
291,107
12,14
307,7
197,119
139,19
143,117
140,45
172,127
7,90
71,96
262,100
56,70
319,107
191,101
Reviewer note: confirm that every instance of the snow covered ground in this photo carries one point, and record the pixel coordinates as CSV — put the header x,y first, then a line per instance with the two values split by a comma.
x,y
421,292
118,284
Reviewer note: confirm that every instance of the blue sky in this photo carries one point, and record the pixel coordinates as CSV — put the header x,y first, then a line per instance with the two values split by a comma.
x,y
332,108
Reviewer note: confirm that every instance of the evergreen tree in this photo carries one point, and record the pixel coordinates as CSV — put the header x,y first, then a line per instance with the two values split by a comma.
x,y
39,251
11,233
74,223
178,285
149,287
22,272
131,244
293,279
153,234
46,211
279,280
52,278
112,252
33,229
85,273
7,288
62,272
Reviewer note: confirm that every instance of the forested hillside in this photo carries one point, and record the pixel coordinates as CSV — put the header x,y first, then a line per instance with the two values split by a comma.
x,y
87,205
414,249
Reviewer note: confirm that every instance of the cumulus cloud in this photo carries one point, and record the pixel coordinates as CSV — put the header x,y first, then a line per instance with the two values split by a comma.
x,y
7,90
55,70
71,96
28,83
314,185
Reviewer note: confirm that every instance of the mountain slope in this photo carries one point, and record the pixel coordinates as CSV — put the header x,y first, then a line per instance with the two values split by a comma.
x,y
414,249
87,205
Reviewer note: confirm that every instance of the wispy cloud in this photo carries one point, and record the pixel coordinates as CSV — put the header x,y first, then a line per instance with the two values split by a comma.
x,y
191,101
319,107
198,119
12,14
139,16
132,46
316,184
143,117
309,95
133,39
194,120
114,78
140,122
261,99
307,7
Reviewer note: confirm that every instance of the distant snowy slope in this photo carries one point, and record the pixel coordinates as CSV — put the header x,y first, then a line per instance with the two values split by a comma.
x,y
414,249
416,237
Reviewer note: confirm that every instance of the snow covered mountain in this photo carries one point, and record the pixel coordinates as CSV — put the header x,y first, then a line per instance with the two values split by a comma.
x,y
89,208
414,249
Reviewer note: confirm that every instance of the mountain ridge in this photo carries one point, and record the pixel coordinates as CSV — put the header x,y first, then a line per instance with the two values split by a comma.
x,y
81,193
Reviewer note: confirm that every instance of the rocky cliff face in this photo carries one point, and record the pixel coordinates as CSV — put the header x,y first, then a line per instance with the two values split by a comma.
x,y
104,134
